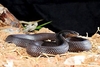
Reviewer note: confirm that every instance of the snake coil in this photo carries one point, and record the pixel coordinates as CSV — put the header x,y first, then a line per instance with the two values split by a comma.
x,y
60,43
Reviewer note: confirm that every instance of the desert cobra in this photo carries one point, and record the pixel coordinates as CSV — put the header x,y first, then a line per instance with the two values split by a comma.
x,y
50,43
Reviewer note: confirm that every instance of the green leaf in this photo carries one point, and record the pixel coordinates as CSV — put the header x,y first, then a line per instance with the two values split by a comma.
x,y
40,26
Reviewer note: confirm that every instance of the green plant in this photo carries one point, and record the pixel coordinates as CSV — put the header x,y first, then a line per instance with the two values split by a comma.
x,y
42,25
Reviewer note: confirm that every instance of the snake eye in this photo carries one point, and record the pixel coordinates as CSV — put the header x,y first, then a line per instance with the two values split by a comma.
x,y
76,33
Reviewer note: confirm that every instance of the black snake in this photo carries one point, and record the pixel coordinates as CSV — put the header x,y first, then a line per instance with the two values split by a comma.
x,y
50,43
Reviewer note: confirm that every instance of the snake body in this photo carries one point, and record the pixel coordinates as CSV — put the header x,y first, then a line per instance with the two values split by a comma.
x,y
60,43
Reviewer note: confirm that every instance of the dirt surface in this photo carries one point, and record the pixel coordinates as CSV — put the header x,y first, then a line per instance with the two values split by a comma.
x,y
14,56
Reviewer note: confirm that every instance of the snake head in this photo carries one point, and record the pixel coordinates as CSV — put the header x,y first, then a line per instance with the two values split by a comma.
x,y
69,33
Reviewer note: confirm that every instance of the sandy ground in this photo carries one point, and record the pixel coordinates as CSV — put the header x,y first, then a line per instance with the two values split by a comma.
x,y
14,56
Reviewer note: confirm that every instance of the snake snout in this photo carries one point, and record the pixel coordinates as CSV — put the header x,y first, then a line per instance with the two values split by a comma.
x,y
69,33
